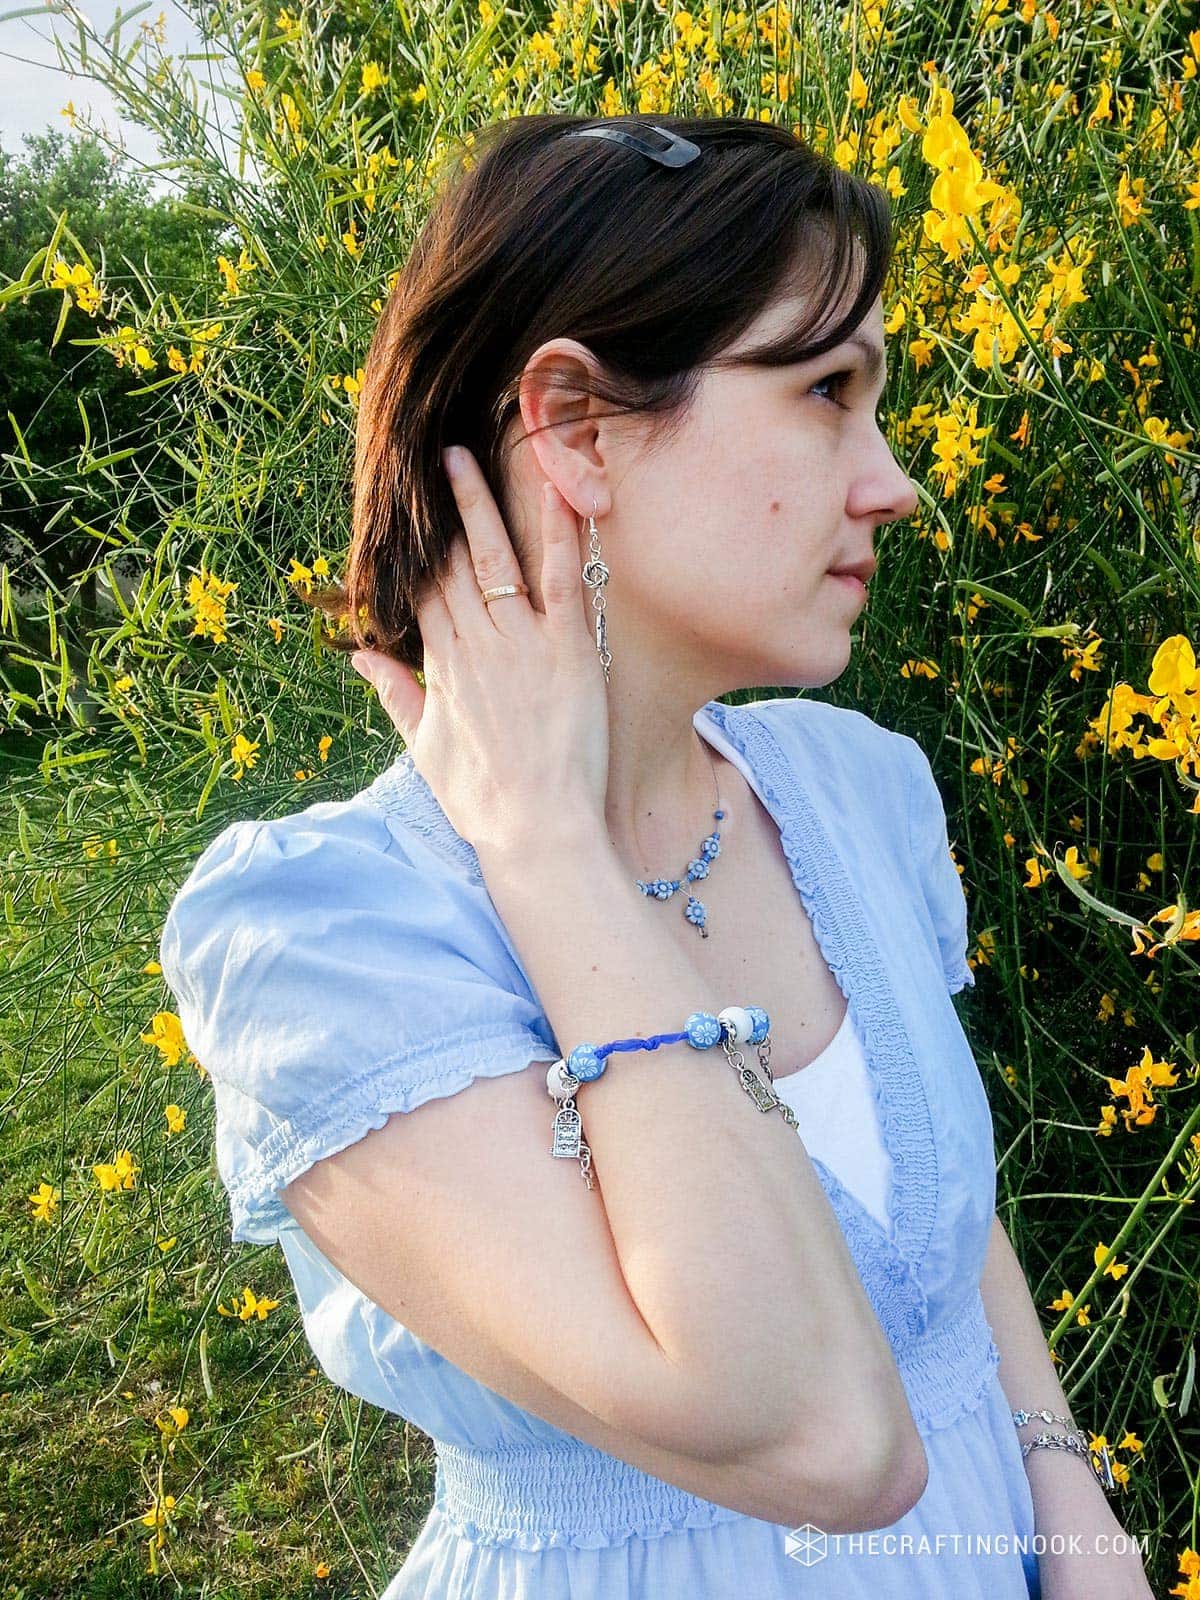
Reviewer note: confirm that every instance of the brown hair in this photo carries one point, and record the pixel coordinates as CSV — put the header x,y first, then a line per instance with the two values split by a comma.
x,y
656,270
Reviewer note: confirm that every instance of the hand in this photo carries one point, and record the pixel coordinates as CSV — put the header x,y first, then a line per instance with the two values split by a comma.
x,y
511,729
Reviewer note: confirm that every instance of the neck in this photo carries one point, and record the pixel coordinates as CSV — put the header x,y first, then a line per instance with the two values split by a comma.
x,y
663,784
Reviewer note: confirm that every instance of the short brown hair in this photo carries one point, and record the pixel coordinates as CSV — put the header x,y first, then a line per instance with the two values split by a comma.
x,y
657,271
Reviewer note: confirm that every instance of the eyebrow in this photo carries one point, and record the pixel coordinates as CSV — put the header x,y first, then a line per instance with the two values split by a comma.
x,y
874,357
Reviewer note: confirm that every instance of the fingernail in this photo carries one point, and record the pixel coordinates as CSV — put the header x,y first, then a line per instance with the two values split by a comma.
x,y
451,460
359,662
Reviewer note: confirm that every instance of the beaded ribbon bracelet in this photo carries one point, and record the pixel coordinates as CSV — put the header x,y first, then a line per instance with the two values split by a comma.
x,y
731,1028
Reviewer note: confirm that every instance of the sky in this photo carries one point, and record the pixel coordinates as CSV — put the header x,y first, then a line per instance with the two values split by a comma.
x,y
34,87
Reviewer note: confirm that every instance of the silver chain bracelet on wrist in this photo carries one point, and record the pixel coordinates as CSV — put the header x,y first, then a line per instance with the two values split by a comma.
x,y
1098,1460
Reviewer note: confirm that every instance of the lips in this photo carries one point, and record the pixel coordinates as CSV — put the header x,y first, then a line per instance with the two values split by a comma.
x,y
863,570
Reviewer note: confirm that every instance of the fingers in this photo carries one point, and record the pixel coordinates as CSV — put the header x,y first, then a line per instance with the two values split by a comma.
x,y
563,592
434,621
400,695
485,560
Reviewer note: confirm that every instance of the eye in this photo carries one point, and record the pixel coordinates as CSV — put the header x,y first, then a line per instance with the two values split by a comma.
x,y
838,380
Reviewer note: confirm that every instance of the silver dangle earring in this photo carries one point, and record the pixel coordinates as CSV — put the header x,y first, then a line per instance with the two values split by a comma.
x,y
595,575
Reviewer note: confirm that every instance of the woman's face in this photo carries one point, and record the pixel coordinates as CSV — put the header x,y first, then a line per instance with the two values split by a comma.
x,y
720,540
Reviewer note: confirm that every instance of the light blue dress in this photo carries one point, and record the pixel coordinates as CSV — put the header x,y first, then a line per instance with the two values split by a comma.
x,y
346,962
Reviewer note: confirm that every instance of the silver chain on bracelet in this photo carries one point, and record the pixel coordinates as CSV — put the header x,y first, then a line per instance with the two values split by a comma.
x,y
1098,1460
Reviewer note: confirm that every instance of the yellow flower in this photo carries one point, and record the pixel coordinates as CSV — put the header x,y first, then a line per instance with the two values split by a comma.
x,y
323,745
300,574
128,349
321,1570
44,1200
1074,866
176,1118
157,1515
1037,873
1173,672
1114,1269
77,281
255,80
251,1306
207,595
174,1422
1065,1302
1138,1085
120,1174
244,753
166,1034
373,77
276,627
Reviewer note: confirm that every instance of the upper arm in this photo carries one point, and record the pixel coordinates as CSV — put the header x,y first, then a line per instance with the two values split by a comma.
x,y
328,984
457,1222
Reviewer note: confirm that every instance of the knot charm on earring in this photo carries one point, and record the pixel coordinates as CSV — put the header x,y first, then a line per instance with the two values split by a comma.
x,y
595,576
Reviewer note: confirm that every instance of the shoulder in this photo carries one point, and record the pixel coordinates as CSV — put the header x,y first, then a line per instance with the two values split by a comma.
x,y
257,875
330,967
838,739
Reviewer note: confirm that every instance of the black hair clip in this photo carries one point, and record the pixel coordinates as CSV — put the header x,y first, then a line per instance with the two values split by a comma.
x,y
672,152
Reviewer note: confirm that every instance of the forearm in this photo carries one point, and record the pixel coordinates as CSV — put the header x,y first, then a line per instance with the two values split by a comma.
x,y
725,1237
1029,1380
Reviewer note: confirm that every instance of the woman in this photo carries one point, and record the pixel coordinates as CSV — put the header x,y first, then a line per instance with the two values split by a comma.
x,y
731,1352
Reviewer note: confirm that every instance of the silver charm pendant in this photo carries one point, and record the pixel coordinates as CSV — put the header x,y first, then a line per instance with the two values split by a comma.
x,y
568,1131
763,1097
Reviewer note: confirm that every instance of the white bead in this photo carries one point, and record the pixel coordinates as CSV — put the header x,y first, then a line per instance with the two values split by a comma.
x,y
739,1022
555,1073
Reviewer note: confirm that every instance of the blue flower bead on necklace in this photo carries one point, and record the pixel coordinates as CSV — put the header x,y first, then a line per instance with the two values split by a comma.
x,y
710,848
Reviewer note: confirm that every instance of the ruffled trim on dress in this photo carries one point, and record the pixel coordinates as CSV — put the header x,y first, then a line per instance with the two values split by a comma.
x,y
848,945
578,1498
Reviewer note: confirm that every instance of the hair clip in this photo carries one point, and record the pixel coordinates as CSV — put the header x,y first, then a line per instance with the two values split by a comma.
x,y
673,152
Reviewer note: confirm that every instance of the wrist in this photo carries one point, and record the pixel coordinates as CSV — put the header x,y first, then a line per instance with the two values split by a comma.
x,y
573,836
1062,1485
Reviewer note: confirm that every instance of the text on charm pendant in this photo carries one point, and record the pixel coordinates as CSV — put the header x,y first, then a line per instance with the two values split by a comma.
x,y
763,1097
568,1132
601,632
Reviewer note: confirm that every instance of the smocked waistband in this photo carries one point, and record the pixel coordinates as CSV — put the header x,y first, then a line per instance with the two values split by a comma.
x,y
536,1497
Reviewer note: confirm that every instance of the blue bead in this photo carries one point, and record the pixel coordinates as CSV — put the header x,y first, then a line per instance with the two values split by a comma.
x,y
584,1063
695,912
702,1029
697,869
720,816
762,1024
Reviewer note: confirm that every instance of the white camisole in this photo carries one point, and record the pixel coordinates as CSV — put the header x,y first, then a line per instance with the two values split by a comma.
x,y
831,1096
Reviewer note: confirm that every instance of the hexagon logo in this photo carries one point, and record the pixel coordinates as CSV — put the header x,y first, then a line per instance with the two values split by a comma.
x,y
806,1544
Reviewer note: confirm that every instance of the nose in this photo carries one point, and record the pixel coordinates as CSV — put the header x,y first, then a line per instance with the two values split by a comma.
x,y
907,499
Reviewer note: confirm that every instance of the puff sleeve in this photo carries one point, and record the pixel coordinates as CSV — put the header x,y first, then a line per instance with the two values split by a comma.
x,y
328,973
939,877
